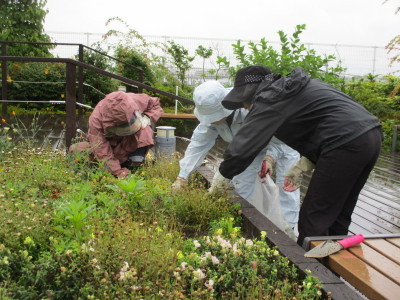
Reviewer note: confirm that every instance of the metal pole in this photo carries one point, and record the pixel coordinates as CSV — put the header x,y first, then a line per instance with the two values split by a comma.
x,y
70,104
374,61
4,78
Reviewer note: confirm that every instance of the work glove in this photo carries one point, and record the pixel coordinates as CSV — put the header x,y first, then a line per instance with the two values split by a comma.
x,y
294,175
122,173
267,166
145,121
179,183
219,183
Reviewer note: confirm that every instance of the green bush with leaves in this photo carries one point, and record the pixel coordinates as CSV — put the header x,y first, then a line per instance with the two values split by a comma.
x,y
36,82
135,59
380,98
292,53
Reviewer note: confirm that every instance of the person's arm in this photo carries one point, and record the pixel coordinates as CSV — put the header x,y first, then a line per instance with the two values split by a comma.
x,y
153,110
202,140
260,125
294,175
102,150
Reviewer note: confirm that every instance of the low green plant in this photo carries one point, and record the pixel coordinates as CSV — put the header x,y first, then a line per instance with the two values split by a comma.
x,y
6,143
103,247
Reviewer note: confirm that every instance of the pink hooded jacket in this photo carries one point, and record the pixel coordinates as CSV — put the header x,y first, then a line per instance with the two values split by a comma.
x,y
115,109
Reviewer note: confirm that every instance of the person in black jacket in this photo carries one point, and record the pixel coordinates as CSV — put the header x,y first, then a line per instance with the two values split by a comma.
x,y
330,130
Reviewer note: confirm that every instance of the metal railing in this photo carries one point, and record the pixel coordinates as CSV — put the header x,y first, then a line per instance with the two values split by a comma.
x,y
81,48
71,79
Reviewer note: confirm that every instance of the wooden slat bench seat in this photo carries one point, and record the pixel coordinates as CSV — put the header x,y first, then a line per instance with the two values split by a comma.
x,y
373,267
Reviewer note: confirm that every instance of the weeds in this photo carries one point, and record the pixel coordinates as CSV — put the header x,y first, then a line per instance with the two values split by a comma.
x,y
71,230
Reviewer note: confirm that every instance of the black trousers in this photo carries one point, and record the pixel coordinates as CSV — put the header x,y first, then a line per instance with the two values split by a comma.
x,y
336,183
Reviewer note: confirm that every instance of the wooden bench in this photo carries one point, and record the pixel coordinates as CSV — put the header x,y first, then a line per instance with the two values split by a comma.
x,y
373,267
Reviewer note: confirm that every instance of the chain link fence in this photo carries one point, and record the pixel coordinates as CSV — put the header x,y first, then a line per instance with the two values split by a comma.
x,y
358,60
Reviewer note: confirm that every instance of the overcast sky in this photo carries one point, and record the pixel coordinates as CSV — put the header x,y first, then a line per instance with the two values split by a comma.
x,y
350,22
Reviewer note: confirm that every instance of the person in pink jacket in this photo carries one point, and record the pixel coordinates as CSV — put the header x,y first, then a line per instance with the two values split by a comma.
x,y
120,129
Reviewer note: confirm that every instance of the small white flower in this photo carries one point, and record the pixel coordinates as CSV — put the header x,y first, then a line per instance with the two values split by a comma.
x,y
198,274
183,265
214,260
196,244
249,243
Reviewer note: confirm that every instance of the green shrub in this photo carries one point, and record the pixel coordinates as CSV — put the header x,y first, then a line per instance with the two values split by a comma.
x,y
36,82
96,85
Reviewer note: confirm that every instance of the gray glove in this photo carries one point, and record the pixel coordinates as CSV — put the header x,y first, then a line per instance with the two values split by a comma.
x,y
219,183
294,175
179,183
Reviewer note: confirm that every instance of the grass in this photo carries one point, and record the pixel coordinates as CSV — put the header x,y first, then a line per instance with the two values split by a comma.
x,y
72,231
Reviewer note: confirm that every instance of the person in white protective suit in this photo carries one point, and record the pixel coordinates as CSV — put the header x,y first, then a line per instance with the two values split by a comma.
x,y
216,121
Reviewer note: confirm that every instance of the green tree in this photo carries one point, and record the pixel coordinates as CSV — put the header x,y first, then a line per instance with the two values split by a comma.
x,y
181,59
204,53
136,59
22,21
292,53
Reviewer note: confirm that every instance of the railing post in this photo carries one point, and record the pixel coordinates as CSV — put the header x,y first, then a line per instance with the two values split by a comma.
x,y
70,104
395,136
140,79
4,78
80,79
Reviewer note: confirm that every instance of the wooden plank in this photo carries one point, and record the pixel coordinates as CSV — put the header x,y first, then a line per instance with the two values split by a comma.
x,y
362,276
374,192
357,229
372,227
378,260
394,241
178,116
386,248
387,220
380,206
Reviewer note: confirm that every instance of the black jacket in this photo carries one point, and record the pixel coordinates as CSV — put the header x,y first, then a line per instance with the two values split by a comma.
x,y
307,114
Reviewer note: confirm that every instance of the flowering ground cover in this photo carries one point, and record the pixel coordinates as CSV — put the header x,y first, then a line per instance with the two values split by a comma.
x,y
72,231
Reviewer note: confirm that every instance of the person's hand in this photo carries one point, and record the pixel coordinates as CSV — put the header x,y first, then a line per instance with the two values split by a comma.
x,y
267,166
219,183
123,173
145,121
294,175
179,183
289,185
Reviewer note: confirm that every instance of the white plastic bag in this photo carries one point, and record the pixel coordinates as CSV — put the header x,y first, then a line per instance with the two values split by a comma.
x,y
266,201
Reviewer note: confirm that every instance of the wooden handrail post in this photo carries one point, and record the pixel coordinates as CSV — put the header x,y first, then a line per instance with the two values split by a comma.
x,y
80,85
70,104
394,138
4,78
140,79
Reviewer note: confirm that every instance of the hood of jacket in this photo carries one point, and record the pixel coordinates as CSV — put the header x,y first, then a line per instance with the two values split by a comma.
x,y
284,87
117,108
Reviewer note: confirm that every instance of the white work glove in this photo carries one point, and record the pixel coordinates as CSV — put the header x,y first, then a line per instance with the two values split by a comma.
x,y
122,173
267,166
179,183
145,121
294,175
219,183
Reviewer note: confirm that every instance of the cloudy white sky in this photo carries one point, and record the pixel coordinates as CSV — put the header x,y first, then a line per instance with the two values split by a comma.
x,y
350,22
